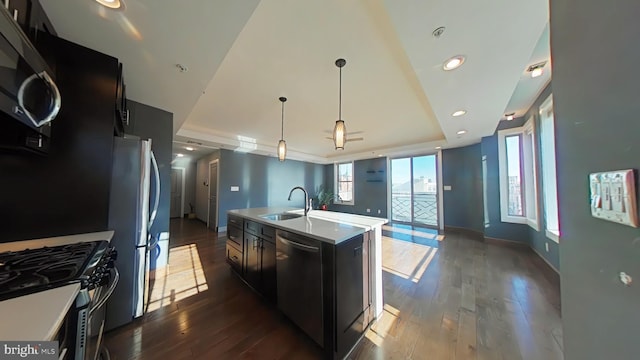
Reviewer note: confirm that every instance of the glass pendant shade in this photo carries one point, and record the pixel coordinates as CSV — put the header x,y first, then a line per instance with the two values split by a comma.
x,y
282,150
339,135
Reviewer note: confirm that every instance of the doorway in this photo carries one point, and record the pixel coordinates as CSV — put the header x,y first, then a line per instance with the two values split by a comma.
x,y
177,193
414,190
212,218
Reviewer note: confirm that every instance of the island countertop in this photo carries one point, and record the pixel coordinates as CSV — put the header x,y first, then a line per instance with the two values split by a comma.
x,y
327,226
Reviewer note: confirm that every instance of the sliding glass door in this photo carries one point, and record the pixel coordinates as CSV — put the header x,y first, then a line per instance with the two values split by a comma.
x,y
414,190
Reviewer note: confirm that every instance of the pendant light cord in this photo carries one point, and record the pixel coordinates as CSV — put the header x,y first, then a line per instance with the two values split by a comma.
x,y
282,123
340,99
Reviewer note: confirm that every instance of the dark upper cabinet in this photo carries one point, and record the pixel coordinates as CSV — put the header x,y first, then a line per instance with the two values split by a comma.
x,y
122,119
31,17
67,191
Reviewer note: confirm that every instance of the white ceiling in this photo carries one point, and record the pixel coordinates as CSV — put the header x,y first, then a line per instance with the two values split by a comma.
x,y
243,55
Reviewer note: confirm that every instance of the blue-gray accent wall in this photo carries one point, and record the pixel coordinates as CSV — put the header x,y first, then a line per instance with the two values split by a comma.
x,y
262,181
462,170
595,95
370,187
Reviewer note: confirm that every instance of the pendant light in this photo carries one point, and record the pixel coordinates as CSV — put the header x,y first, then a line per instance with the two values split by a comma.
x,y
340,130
282,145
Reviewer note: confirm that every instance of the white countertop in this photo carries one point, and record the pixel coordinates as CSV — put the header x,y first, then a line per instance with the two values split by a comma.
x,y
38,316
327,226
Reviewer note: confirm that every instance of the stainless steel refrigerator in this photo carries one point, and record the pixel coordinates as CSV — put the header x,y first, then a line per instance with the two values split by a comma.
x,y
132,210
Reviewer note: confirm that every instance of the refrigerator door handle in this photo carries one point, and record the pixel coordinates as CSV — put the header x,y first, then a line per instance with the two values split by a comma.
x,y
156,174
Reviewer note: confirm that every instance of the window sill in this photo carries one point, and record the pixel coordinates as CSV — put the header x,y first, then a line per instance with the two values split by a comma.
x,y
513,219
553,235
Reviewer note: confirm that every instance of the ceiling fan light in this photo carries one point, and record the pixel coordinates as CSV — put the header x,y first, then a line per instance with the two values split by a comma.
x,y
282,150
339,135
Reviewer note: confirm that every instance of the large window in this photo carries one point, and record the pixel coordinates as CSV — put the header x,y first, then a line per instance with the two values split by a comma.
x,y
548,161
518,191
344,183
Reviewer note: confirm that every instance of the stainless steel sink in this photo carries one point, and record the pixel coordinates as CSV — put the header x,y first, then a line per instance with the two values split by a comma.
x,y
281,216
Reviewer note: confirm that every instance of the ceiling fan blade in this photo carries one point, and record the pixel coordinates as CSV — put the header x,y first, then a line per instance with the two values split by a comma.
x,y
355,139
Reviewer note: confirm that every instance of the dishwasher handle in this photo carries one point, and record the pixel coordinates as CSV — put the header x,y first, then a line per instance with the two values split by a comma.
x,y
297,245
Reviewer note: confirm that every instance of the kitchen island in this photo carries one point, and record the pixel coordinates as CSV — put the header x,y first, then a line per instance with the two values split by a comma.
x,y
323,270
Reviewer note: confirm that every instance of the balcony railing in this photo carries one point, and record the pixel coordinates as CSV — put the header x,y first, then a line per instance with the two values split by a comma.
x,y
425,206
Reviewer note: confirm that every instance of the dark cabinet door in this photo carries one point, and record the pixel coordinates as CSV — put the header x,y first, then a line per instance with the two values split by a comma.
x,y
269,269
349,292
252,256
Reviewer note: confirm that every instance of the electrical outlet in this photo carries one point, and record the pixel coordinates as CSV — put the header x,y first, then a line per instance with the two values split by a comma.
x,y
379,211
546,246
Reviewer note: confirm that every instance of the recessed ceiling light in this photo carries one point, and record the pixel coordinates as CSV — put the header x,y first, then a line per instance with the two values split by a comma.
x,y
459,113
189,148
510,116
179,155
379,155
461,132
536,69
111,4
537,72
438,147
453,63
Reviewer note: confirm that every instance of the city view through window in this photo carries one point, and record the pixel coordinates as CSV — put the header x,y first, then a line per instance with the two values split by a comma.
x,y
414,190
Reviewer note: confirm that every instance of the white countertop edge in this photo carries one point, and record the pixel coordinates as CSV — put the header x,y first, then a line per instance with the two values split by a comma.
x,y
56,241
343,226
37,316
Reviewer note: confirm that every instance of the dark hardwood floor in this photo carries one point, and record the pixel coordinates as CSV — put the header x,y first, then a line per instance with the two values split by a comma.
x,y
446,297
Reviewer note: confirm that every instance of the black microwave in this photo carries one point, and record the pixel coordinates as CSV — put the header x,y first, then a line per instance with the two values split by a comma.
x,y
29,97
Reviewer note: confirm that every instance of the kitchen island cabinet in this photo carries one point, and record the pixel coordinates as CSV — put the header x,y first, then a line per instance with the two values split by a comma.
x,y
320,270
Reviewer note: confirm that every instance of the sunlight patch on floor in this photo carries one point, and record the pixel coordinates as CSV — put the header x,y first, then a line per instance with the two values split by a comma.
x,y
419,233
404,259
181,278
383,325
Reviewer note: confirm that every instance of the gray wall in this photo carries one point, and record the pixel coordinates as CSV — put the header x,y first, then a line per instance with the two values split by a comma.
x,y
596,87
370,187
190,168
462,170
262,181
497,228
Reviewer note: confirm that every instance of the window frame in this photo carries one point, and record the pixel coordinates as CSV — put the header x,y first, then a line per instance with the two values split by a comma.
x,y
552,234
528,171
336,186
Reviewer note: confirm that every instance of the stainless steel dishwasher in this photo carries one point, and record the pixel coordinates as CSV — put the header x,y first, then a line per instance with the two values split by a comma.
x,y
299,271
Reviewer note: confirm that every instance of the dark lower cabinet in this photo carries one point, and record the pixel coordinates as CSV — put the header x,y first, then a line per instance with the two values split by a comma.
x,y
260,258
350,309
269,276
252,255
322,288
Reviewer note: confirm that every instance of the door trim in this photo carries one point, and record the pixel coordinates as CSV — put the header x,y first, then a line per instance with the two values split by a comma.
x,y
217,191
183,171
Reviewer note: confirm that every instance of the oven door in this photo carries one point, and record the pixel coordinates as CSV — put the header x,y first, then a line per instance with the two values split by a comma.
x,y
96,318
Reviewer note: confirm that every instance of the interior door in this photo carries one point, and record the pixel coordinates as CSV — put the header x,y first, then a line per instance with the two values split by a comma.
x,y
176,193
213,196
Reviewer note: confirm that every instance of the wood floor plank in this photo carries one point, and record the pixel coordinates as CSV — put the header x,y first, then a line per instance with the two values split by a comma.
x,y
452,298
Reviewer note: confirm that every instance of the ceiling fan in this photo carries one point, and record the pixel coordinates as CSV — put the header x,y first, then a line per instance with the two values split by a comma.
x,y
349,134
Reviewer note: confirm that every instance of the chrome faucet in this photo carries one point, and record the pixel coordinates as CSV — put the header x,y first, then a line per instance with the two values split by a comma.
x,y
306,198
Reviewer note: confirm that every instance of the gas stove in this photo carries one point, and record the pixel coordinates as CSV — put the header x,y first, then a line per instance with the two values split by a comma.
x,y
32,270
91,264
